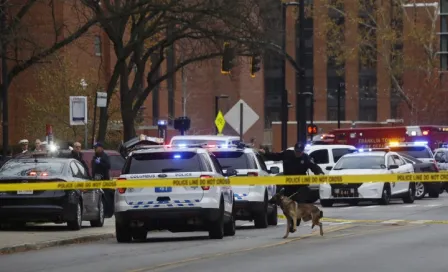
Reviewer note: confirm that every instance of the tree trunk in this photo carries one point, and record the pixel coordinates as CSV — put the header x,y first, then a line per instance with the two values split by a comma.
x,y
128,124
102,128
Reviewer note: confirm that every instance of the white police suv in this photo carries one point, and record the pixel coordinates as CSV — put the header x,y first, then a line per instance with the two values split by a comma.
x,y
373,161
177,209
251,201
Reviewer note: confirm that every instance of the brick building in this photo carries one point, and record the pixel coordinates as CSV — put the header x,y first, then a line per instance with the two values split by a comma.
x,y
368,96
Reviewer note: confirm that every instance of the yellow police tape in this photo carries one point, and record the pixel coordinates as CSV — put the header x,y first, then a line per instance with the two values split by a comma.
x,y
143,181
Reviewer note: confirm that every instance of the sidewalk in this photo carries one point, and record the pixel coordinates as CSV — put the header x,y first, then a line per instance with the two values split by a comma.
x,y
48,235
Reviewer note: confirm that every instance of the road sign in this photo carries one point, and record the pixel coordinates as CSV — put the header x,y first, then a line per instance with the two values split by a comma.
x,y
101,99
249,117
220,122
78,110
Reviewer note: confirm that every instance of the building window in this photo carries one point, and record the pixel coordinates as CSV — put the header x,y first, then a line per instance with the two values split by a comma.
x,y
97,43
335,91
367,98
308,25
443,35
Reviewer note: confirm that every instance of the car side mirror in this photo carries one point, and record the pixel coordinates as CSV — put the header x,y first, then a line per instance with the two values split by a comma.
x,y
274,170
231,172
328,168
393,166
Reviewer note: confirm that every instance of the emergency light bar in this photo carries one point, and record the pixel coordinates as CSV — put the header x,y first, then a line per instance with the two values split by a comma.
x,y
373,149
416,143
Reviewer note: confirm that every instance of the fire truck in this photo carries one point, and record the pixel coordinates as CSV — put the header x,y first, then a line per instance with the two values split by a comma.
x,y
379,137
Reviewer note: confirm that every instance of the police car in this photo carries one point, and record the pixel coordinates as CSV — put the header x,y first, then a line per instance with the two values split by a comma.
x,y
251,201
373,161
177,209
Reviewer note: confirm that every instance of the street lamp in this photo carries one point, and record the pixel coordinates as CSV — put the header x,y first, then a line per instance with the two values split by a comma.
x,y
84,85
217,97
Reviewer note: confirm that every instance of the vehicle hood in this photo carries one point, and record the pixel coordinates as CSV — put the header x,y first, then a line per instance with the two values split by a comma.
x,y
359,172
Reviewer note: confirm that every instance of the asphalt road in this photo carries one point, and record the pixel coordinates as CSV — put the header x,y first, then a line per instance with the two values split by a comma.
x,y
344,247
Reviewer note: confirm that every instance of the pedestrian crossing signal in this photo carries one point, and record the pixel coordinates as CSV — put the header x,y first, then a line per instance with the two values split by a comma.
x,y
311,129
255,65
227,59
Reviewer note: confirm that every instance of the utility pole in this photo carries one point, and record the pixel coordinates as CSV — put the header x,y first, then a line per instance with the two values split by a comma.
x,y
284,99
184,89
300,97
5,121
339,104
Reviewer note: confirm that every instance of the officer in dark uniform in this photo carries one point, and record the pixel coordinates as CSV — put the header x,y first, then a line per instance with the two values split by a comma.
x,y
295,162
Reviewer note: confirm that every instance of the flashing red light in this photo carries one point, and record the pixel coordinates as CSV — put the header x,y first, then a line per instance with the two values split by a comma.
x,y
425,132
121,190
32,173
205,188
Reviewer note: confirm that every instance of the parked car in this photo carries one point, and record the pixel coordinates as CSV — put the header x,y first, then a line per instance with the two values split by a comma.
x,y
65,206
422,188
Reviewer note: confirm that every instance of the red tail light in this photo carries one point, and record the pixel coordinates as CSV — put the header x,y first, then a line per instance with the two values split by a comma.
x,y
205,188
252,174
121,190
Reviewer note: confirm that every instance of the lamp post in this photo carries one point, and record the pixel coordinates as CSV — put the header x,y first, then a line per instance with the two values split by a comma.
x,y
84,85
217,97
5,83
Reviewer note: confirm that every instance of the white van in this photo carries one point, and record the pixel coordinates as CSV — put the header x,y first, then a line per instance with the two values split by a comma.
x,y
210,140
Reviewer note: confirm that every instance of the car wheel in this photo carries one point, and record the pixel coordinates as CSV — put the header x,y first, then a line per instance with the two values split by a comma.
x,y
410,196
216,230
230,227
123,232
420,190
326,203
140,234
261,219
76,224
385,197
99,222
273,217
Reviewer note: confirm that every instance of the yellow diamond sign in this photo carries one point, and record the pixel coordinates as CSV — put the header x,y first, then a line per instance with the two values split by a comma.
x,y
220,122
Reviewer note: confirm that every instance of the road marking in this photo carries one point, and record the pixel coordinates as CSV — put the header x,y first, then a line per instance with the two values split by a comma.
x,y
433,205
181,262
370,207
409,206
251,224
392,221
420,222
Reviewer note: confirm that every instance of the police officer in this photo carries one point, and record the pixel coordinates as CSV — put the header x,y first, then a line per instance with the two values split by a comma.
x,y
77,154
295,162
100,171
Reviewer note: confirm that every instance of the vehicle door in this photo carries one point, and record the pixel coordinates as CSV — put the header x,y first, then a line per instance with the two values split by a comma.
x,y
264,172
404,168
90,197
390,161
320,157
441,158
227,190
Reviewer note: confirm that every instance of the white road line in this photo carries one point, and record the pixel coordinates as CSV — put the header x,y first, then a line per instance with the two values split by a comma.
x,y
392,221
419,222
409,206
433,205
346,208
370,207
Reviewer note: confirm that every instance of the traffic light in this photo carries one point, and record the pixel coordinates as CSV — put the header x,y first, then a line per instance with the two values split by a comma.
x,y
311,129
227,59
255,65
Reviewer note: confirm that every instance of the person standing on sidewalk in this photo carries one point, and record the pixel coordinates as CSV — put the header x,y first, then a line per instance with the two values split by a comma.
x,y
101,171
77,154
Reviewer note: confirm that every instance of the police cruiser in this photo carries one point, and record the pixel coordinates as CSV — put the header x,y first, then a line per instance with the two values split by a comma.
x,y
251,201
373,161
177,209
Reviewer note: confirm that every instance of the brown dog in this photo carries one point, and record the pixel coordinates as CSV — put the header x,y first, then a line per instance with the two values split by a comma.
x,y
295,212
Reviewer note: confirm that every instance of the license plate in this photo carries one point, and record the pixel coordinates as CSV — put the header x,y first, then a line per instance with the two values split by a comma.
x,y
25,192
164,189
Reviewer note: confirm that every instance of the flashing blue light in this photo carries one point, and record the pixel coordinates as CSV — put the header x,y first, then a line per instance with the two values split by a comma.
x,y
224,146
420,143
182,145
161,122
177,156
307,145
361,150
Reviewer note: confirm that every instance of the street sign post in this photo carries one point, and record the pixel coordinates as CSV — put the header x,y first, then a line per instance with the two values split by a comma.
x,y
220,122
100,102
245,118
78,113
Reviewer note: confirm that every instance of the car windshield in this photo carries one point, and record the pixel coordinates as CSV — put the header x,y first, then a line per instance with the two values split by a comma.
x,y
164,162
360,162
234,159
26,168
408,158
413,151
197,142
116,162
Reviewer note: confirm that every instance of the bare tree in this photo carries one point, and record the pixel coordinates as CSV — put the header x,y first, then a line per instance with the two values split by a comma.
x,y
380,39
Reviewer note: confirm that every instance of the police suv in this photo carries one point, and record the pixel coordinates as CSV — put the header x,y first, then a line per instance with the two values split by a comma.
x,y
373,161
177,209
251,201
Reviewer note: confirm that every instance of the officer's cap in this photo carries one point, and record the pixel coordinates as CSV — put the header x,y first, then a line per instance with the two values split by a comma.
x,y
23,142
298,147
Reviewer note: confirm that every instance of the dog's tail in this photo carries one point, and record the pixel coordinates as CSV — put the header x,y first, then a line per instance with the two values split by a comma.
x,y
321,214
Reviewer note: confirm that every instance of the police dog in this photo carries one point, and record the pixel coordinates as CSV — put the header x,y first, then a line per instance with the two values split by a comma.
x,y
295,212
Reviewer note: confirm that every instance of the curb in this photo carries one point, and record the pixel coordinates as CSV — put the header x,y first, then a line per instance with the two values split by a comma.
x,y
61,242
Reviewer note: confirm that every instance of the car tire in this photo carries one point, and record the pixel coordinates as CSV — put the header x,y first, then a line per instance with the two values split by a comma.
x,y
261,219
385,196
273,216
410,196
140,234
230,227
99,222
123,232
216,229
326,203
76,224
420,190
